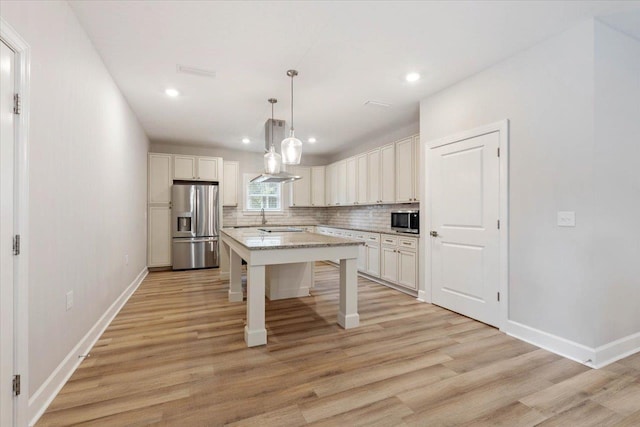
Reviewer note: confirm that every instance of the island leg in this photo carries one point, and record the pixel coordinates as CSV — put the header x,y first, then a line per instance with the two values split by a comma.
x,y
255,333
348,315
235,279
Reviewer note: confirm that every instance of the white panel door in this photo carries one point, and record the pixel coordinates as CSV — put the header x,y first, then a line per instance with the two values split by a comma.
x,y
7,339
340,184
207,169
317,185
373,260
389,260
408,269
464,178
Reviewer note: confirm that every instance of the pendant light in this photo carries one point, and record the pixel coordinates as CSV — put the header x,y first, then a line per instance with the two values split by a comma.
x,y
291,147
272,160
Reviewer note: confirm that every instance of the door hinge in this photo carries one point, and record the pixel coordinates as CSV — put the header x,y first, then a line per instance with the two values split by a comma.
x,y
498,151
16,103
498,296
498,224
16,244
16,385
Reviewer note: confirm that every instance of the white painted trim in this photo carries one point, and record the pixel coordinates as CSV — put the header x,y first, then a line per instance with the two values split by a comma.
x,y
553,343
21,172
502,127
43,397
616,350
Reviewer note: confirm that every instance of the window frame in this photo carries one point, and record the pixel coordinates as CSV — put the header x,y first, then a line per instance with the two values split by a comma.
x,y
247,177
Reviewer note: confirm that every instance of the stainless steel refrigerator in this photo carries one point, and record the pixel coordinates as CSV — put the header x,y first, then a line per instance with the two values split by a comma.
x,y
195,226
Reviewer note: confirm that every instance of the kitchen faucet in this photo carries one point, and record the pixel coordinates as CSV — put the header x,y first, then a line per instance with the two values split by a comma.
x,y
264,219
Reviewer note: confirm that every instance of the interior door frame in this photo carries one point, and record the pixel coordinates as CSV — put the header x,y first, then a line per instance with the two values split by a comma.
x,y
21,216
502,127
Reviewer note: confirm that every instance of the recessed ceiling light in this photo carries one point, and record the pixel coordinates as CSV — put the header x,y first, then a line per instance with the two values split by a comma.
x,y
172,92
412,77
311,140
246,140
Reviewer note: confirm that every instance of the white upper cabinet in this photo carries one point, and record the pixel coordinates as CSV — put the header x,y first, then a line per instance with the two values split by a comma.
x,y
196,168
405,170
341,182
352,181
300,190
231,175
159,184
317,185
387,174
416,168
373,176
361,181
328,180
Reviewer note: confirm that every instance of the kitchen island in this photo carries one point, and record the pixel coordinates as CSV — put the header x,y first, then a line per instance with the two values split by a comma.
x,y
261,249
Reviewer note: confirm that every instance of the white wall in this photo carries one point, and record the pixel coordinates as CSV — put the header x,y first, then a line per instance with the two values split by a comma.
x,y
547,94
87,172
574,111
617,183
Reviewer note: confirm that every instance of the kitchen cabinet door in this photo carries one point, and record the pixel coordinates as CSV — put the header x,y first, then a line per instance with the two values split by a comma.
x,y
207,169
184,167
416,168
389,261
408,268
362,258
317,186
301,189
361,180
329,185
341,183
405,171
373,176
388,174
159,236
160,178
231,175
373,259
351,181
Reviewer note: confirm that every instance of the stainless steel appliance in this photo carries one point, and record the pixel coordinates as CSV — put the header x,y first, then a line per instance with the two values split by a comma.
x,y
406,221
195,225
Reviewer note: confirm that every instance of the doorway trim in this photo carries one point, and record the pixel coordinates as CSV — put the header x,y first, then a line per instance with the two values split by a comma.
x,y
502,127
21,217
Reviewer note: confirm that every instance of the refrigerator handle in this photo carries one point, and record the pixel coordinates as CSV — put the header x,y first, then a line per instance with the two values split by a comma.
x,y
195,223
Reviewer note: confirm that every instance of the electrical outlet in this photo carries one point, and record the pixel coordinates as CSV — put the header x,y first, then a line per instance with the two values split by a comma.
x,y
69,300
566,219
126,259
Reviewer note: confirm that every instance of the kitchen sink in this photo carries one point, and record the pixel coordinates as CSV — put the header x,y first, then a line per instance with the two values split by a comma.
x,y
281,229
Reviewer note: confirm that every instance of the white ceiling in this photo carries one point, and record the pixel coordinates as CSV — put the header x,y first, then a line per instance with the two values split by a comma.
x,y
346,53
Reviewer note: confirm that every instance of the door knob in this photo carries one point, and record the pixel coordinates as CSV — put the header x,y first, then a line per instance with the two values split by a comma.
x,y
434,233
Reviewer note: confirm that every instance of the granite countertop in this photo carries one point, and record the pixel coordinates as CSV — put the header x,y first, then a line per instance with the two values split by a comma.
x,y
252,238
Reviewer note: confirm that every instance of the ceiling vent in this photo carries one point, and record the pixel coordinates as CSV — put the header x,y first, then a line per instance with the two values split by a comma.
x,y
377,104
196,71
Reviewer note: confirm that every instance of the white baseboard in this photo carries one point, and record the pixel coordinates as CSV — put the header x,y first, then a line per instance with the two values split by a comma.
x,y
422,296
616,350
553,343
43,397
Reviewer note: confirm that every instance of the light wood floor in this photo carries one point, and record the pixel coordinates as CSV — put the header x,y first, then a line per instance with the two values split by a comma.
x,y
175,356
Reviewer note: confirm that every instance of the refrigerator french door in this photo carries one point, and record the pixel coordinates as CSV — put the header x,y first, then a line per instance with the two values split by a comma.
x,y
195,226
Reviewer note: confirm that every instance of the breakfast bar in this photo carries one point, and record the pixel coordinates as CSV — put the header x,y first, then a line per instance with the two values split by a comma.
x,y
261,248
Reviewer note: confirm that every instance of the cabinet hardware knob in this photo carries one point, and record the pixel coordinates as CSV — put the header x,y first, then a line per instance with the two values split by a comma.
x,y
434,233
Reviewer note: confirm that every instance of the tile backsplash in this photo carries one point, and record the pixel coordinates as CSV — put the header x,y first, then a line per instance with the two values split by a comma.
x,y
374,216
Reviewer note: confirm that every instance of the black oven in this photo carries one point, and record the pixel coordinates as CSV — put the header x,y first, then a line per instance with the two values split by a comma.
x,y
406,221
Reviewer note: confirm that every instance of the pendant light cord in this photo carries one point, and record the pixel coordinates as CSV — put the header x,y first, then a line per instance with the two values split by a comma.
x,y
292,75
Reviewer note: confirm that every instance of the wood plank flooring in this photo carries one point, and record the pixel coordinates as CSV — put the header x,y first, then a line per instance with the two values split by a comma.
x,y
175,356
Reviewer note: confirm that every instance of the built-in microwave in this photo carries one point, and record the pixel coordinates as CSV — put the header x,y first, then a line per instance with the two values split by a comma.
x,y
405,221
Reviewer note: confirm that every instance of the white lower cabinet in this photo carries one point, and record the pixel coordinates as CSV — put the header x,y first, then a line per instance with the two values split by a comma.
x,y
389,255
373,255
408,268
159,251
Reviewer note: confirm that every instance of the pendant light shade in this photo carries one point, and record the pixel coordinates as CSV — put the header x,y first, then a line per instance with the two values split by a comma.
x,y
291,147
272,160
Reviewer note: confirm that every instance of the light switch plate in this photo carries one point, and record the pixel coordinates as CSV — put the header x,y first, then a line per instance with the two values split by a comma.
x,y
566,219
